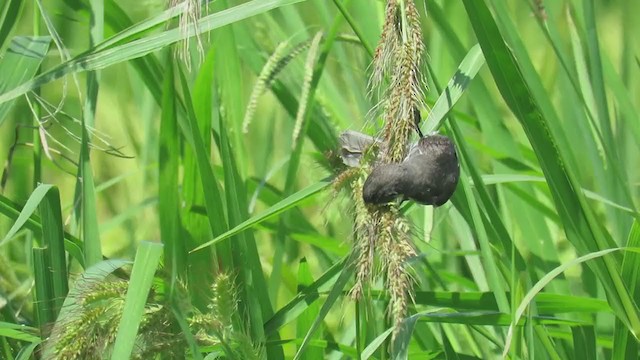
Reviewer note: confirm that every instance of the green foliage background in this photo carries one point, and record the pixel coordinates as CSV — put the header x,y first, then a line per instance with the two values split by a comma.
x,y
547,133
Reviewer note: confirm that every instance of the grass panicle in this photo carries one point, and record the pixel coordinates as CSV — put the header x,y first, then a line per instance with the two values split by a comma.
x,y
93,324
381,229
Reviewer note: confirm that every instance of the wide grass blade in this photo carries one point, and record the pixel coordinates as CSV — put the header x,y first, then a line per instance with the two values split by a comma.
x,y
19,332
9,15
20,63
43,290
336,291
144,269
32,222
175,254
584,342
580,225
456,87
29,208
53,242
305,320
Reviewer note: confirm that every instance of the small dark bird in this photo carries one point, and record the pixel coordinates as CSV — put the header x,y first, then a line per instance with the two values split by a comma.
x,y
428,175
352,146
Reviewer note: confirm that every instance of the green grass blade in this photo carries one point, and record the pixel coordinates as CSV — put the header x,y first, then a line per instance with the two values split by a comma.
x,y
374,345
582,229
10,13
584,342
27,351
85,186
513,178
144,269
305,320
203,185
212,194
295,307
11,210
134,49
19,332
494,279
43,290
625,345
597,78
283,205
528,298
53,241
168,172
336,291
186,331
254,299
88,210
456,87
29,208
449,352
546,303
20,63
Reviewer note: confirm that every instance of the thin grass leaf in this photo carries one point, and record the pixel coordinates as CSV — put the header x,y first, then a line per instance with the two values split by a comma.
x,y
336,291
545,280
19,332
29,208
373,346
303,299
254,298
212,194
449,352
20,62
168,172
199,185
283,205
144,269
186,331
626,346
546,303
11,210
27,351
582,229
511,178
134,49
305,320
494,279
456,87
85,186
10,13
85,192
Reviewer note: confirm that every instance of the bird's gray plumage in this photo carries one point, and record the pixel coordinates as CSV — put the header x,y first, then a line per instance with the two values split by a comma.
x,y
428,175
